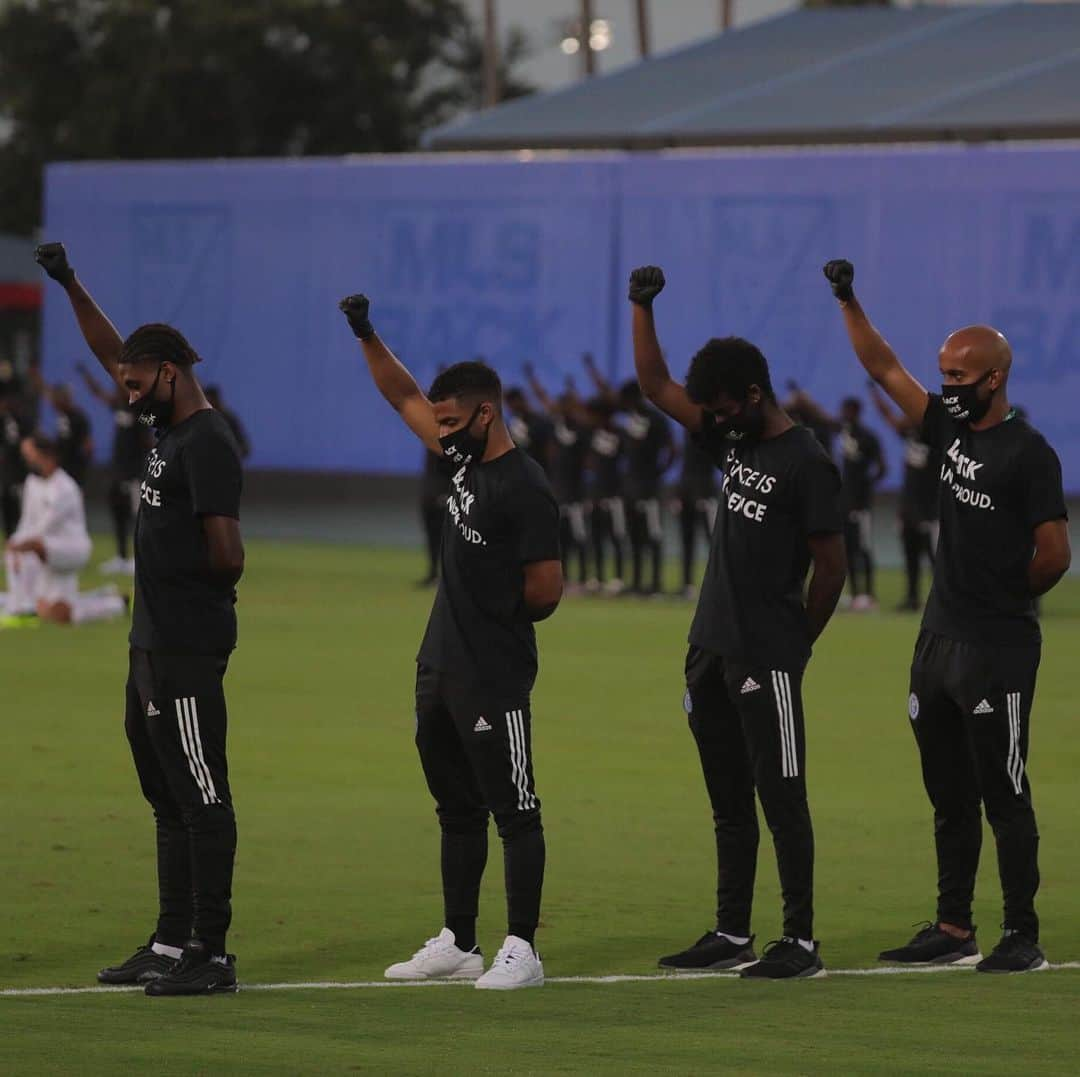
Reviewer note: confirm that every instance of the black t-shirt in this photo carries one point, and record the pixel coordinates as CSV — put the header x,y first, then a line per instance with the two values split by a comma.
x,y
129,444
571,451
647,437
860,451
72,432
502,515
922,472
997,486
606,452
776,493
533,433
180,606
698,478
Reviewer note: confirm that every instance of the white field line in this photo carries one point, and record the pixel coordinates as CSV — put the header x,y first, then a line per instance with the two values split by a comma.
x,y
333,985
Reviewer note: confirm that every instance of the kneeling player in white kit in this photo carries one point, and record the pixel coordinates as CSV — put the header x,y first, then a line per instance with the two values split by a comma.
x,y
49,547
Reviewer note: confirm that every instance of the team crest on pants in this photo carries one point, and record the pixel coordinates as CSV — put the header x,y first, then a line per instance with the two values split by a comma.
x,y
688,703
913,706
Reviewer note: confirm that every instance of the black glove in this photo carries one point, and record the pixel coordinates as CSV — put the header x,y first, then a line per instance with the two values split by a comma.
x,y
646,283
53,259
355,309
840,273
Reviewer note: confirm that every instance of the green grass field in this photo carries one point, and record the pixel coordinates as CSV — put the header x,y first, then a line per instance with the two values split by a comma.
x,y
337,873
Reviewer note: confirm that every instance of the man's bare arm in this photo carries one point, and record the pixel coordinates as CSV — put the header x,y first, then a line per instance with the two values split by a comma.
x,y
873,351
537,390
543,589
225,548
99,333
1053,556
603,387
391,377
826,582
95,388
896,421
653,375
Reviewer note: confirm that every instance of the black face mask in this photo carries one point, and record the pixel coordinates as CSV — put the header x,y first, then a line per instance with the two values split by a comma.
x,y
155,413
963,402
746,425
461,447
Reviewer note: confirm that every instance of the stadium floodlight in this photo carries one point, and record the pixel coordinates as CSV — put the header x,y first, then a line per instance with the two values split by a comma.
x,y
599,37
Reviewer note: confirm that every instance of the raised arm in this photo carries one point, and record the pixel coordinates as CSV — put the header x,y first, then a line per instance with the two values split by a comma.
x,y
603,387
653,375
877,358
99,333
537,390
391,378
897,421
809,408
93,386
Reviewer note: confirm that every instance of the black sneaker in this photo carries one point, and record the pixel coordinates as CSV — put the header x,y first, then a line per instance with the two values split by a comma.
x,y
1015,953
143,965
932,946
711,952
196,973
786,959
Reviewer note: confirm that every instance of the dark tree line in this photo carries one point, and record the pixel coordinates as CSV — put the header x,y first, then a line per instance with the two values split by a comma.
x,y
139,79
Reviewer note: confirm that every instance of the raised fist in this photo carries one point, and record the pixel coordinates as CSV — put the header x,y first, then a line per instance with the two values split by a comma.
x,y
53,259
840,273
355,308
646,283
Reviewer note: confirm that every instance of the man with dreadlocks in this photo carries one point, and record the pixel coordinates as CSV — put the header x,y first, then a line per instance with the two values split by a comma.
x,y
188,559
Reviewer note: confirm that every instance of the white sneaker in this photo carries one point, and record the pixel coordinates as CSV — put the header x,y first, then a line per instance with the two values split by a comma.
x,y
439,959
516,965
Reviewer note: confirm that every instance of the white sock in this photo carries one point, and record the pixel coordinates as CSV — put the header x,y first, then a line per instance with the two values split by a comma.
x,y
167,951
738,940
806,944
92,606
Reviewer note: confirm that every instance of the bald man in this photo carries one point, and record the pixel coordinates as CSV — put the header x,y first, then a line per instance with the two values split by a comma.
x,y
1004,541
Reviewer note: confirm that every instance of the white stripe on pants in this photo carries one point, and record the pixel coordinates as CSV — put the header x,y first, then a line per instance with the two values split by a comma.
x,y
187,720
789,749
1015,762
519,759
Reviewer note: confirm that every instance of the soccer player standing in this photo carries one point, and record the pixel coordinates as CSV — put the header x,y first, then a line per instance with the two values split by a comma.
x,y
501,572
753,630
188,559
863,466
650,451
698,506
1004,541
918,507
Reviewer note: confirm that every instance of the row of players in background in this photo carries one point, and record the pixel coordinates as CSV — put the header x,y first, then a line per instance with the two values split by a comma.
x,y
857,450
20,418
606,457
